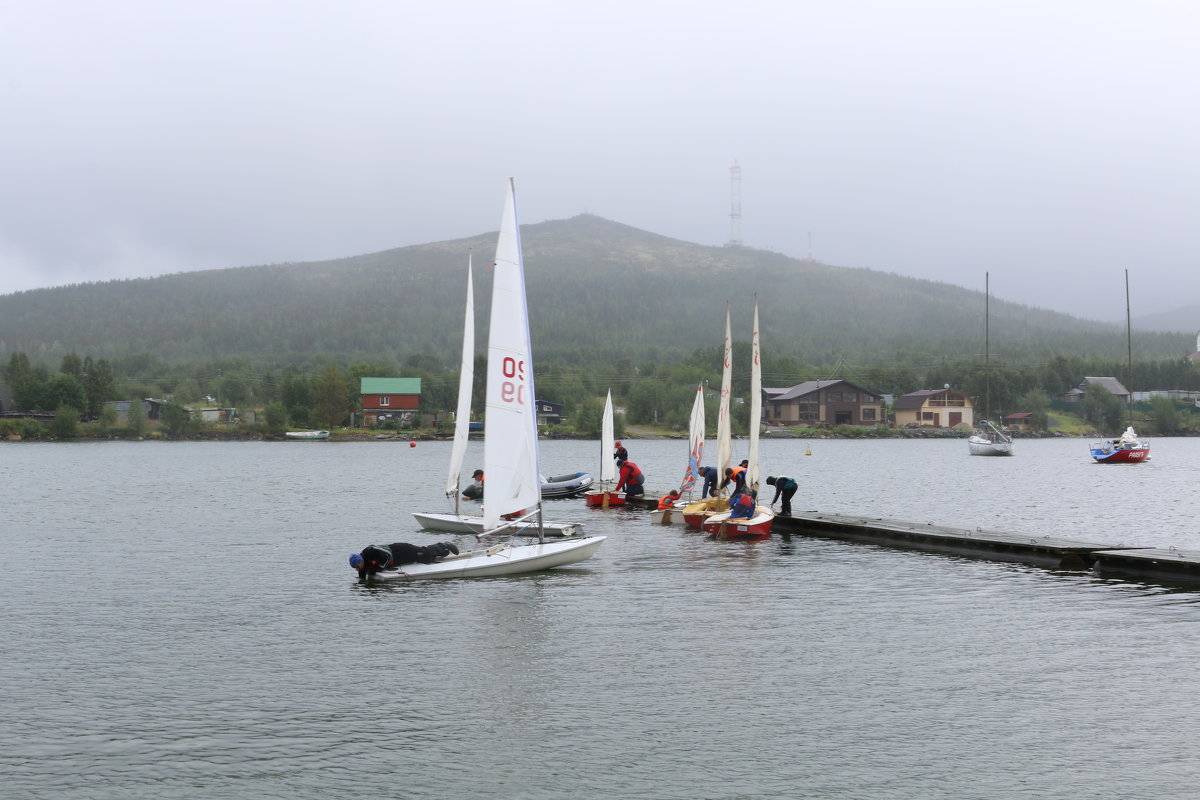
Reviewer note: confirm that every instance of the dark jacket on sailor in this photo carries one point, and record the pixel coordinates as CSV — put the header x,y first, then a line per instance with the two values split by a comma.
x,y
377,557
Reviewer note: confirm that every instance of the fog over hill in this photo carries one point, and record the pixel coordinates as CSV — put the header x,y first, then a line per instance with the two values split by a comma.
x,y
597,290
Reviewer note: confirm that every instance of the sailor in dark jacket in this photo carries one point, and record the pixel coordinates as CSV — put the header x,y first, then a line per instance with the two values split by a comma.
x,y
710,481
785,487
376,557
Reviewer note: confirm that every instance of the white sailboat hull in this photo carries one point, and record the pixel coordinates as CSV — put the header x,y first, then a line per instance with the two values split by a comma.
x,y
980,446
457,523
500,560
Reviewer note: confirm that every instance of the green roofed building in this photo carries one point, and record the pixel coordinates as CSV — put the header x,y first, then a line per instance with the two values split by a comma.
x,y
389,398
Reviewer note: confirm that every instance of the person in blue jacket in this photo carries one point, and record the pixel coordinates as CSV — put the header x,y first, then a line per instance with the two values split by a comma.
x,y
743,507
709,474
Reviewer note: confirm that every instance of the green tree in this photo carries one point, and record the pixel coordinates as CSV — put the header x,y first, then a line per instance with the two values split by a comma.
x,y
66,422
63,390
296,394
1165,416
174,419
330,398
135,417
276,417
108,417
1102,408
1035,403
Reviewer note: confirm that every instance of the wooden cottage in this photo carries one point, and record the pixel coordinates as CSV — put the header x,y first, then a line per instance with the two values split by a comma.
x,y
389,398
934,408
836,402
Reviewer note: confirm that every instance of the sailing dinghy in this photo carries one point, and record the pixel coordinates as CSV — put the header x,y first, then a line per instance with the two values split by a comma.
x,y
604,497
510,441
758,526
695,514
669,516
458,521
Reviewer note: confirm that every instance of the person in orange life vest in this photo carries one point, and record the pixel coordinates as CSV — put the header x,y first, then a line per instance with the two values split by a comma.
x,y
475,490
743,507
620,453
630,478
668,500
736,476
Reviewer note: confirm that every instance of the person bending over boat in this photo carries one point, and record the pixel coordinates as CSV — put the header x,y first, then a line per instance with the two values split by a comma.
x,y
736,476
710,481
376,557
631,479
785,487
668,500
475,490
743,507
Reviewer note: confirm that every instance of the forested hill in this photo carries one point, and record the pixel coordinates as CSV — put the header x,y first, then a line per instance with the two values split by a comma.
x,y
597,290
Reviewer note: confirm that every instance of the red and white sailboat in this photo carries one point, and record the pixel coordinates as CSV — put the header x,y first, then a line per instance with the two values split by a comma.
x,y
695,514
1128,449
758,526
604,497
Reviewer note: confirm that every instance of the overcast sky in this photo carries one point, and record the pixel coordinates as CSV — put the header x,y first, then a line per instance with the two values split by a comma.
x,y
1050,143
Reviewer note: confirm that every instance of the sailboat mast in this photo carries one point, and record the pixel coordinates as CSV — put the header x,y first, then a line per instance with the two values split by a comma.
x,y
1129,346
987,344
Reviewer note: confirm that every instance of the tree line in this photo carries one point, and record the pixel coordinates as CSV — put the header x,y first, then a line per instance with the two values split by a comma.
x,y
326,394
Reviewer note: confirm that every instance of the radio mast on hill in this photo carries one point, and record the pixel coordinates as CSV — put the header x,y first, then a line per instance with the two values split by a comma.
x,y
735,206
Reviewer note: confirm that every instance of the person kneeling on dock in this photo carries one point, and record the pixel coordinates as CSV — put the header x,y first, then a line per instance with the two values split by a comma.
x,y
376,557
786,487
631,479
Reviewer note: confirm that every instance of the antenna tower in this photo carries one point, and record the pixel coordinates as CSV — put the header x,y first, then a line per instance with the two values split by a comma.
x,y
735,205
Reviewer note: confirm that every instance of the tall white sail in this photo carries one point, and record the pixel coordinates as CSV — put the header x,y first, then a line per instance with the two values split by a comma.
x,y
608,471
755,404
724,434
695,441
510,439
466,378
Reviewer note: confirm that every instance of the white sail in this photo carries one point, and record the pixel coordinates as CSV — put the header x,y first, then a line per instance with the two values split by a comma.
x,y
755,405
608,471
724,434
695,441
510,438
466,377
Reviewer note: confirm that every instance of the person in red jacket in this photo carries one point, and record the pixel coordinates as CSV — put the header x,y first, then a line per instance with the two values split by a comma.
x,y
630,479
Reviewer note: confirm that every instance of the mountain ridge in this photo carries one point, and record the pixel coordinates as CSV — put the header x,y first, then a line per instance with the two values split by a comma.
x,y
596,288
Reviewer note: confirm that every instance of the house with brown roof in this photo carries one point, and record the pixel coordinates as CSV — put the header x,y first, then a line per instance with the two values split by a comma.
x,y
836,402
934,408
1111,384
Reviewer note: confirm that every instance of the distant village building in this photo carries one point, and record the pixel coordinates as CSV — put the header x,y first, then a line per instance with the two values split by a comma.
x,y
1111,384
1019,421
389,399
151,408
548,413
837,402
934,408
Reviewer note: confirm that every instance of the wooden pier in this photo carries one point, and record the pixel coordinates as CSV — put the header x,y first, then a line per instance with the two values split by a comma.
x,y
1158,564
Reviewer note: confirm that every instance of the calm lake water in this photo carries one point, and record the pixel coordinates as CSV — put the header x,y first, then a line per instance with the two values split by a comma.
x,y
180,621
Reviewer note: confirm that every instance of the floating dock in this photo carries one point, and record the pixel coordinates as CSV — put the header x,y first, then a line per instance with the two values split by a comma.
x,y
1158,564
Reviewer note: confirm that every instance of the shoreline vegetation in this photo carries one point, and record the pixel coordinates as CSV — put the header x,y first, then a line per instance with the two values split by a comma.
x,y
1063,426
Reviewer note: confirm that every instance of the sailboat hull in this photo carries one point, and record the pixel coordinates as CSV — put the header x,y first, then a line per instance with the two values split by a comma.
x,y
981,446
756,528
695,514
454,523
1132,455
500,560
596,499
